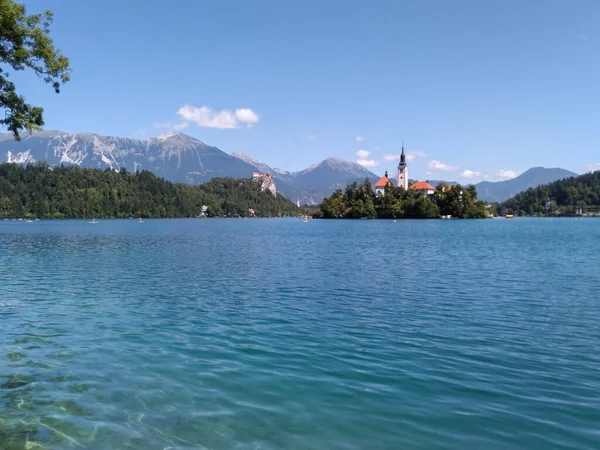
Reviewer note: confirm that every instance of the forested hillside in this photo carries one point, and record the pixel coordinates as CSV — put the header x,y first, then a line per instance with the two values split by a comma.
x,y
563,197
38,191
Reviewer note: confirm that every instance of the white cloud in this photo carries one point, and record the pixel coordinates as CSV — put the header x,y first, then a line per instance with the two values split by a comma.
x,y
471,174
593,167
159,125
367,162
428,172
359,138
308,137
410,156
245,115
170,125
362,154
438,165
140,132
207,117
506,174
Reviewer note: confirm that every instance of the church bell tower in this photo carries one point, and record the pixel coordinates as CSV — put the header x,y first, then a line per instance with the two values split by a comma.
x,y
403,171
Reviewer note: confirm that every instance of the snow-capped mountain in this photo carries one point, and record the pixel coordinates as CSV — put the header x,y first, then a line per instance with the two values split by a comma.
x,y
178,158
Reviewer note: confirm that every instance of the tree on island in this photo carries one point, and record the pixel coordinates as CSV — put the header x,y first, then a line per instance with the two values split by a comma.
x,y
25,43
359,201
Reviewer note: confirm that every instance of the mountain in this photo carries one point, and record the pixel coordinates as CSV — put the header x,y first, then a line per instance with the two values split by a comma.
x,y
178,158
262,167
181,158
434,183
318,181
330,174
173,156
578,195
500,191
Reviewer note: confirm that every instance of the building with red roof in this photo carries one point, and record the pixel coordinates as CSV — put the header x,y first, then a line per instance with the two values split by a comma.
x,y
381,184
424,187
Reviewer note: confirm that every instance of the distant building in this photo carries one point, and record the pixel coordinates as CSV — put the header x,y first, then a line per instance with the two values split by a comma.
x,y
403,171
424,187
381,184
251,212
204,210
266,182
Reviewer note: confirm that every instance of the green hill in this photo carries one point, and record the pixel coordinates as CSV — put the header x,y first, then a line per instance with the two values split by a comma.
x,y
560,198
500,191
39,191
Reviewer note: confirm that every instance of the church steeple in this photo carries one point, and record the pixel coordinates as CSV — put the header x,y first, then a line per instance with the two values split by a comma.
x,y
403,170
402,158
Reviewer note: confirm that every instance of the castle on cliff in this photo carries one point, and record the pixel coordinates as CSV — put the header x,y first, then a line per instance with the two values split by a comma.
x,y
267,183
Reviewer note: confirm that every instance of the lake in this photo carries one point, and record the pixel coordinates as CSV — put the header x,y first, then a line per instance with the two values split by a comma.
x,y
280,334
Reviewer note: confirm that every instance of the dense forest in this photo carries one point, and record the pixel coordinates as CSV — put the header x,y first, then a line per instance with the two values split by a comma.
x,y
359,201
38,191
560,198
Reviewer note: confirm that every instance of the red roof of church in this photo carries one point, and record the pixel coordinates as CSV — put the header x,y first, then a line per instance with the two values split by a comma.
x,y
383,182
422,186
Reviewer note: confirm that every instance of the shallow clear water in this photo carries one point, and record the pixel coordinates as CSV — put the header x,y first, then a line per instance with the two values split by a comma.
x,y
280,334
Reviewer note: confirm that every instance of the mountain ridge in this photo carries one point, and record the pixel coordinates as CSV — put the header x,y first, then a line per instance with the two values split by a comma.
x,y
179,157
176,157
499,191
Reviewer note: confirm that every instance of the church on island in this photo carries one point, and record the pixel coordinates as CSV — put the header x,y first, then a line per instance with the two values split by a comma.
x,y
402,180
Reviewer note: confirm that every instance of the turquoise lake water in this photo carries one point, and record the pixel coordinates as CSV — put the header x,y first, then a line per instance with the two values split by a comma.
x,y
280,334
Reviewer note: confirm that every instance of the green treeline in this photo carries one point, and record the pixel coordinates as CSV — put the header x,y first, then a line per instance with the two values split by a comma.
x,y
358,201
38,191
560,198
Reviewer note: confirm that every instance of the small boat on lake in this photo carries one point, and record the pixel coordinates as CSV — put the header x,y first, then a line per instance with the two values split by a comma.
x,y
94,221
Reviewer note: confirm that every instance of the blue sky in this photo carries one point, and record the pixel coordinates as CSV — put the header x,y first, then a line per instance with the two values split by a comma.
x,y
473,88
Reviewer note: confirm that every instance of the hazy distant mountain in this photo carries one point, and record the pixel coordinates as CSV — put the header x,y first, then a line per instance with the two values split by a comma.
x,y
263,168
330,174
502,190
311,185
434,183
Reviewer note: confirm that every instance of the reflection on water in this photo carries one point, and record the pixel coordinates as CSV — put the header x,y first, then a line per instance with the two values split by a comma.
x,y
283,335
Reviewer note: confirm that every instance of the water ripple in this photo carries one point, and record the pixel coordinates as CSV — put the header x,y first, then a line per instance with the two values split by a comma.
x,y
262,334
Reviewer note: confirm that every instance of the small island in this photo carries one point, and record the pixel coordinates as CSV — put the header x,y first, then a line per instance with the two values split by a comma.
x,y
419,200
